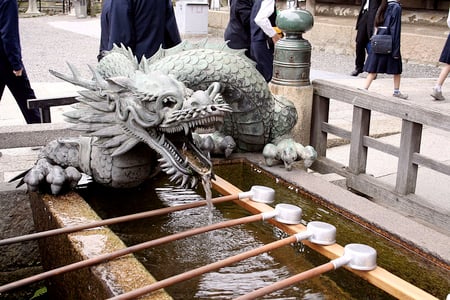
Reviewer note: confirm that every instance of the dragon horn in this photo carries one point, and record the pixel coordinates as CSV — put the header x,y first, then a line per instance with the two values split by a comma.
x,y
75,78
101,82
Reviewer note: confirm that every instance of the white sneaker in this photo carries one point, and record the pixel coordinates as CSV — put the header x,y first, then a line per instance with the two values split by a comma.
x,y
400,95
437,95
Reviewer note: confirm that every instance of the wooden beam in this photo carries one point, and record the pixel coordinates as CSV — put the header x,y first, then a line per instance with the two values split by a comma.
x,y
379,277
403,109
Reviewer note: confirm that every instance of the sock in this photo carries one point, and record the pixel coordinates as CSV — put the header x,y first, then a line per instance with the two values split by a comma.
x,y
396,91
438,87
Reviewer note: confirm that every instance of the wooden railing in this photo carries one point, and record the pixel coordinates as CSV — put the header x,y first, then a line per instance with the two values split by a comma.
x,y
44,105
402,196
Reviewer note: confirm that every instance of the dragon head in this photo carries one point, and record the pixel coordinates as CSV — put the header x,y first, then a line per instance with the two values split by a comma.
x,y
132,106
160,111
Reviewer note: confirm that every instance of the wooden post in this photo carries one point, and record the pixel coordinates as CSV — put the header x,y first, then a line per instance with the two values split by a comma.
x,y
410,140
360,129
320,111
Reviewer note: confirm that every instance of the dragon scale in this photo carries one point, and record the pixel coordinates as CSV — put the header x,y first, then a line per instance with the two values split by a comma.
x,y
253,122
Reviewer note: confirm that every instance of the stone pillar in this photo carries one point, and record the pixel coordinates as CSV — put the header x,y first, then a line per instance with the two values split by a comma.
x,y
302,99
291,67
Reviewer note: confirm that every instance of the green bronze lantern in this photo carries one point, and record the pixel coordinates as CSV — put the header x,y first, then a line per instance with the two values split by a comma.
x,y
292,56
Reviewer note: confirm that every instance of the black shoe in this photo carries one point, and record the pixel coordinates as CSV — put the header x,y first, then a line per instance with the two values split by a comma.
x,y
356,72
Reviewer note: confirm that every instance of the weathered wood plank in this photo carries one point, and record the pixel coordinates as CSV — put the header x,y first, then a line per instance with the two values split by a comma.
x,y
411,204
358,152
375,102
431,163
48,102
320,111
337,131
370,142
44,105
410,140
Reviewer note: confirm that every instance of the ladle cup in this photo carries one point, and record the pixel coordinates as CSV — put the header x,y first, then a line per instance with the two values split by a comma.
x,y
317,232
257,193
356,256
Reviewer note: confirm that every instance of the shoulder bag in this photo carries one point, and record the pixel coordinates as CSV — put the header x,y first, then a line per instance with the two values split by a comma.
x,y
381,42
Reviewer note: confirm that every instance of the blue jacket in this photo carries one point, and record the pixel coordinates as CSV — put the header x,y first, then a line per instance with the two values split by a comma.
x,y
238,28
10,51
143,25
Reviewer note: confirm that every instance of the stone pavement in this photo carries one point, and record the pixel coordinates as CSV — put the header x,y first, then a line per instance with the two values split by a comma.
x,y
76,40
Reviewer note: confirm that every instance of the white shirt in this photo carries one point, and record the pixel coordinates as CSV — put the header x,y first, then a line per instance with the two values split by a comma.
x,y
366,5
262,17
448,18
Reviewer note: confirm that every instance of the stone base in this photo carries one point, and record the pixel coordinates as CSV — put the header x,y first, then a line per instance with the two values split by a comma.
x,y
302,99
101,281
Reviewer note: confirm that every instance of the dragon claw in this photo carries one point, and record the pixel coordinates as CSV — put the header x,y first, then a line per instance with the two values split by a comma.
x,y
54,176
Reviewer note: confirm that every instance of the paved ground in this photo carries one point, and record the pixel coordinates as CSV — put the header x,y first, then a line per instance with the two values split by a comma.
x,y
51,41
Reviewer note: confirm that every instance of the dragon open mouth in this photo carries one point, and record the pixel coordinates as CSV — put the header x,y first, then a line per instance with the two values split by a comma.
x,y
180,158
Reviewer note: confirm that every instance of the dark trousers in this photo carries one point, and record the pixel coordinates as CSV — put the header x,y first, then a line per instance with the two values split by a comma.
x,y
362,40
262,53
21,90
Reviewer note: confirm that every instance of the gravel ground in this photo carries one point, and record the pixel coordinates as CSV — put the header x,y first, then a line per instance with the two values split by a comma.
x,y
45,46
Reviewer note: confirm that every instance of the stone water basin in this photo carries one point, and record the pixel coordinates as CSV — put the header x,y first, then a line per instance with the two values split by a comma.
x,y
229,282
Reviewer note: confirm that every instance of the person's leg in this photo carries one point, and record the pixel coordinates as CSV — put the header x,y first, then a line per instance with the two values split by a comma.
x,y
262,53
436,93
397,92
21,90
443,75
370,77
361,45
397,78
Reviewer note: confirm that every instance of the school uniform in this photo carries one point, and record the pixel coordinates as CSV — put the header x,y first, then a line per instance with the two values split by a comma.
x,y
143,25
261,31
11,60
364,31
445,54
237,32
388,63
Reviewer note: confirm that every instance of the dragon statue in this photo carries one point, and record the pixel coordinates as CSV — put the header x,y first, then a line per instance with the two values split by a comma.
x,y
136,118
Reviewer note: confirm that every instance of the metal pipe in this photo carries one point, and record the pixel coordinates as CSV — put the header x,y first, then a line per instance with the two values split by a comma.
x,y
256,193
109,256
317,232
357,256
204,269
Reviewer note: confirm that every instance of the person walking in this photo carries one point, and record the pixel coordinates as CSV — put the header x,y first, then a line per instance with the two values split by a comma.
x,y
364,31
237,32
142,25
263,36
12,70
388,22
445,59
104,25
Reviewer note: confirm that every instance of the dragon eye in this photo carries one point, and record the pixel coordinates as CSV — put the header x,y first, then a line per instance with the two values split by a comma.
x,y
169,102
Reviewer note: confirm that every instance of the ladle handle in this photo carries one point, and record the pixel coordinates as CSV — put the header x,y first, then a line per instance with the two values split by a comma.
x,y
288,281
